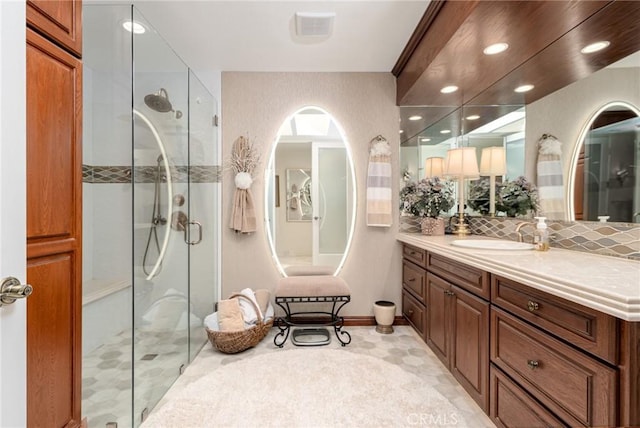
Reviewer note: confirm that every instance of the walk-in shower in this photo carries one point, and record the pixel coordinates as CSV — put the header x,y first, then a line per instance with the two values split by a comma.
x,y
149,216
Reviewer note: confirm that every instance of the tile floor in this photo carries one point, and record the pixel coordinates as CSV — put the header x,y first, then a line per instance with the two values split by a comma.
x,y
106,375
404,348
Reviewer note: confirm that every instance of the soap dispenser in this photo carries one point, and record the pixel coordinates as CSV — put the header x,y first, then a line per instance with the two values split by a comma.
x,y
541,235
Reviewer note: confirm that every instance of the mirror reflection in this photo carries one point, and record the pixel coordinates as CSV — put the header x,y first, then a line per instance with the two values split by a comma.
x,y
606,183
311,228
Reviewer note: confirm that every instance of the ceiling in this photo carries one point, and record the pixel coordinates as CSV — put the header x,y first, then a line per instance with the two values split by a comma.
x,y
368,36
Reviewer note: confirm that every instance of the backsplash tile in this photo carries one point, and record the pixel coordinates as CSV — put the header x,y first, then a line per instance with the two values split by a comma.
x,y
608,239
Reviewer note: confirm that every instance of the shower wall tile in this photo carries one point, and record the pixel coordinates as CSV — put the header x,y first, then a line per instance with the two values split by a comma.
x,y
147,174
608,239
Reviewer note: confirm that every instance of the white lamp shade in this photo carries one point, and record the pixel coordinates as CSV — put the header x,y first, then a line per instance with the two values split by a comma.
x,y
462,162
492,161
434,167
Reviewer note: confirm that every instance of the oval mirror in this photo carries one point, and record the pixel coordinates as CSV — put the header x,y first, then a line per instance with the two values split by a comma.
x,y
604,179
310,195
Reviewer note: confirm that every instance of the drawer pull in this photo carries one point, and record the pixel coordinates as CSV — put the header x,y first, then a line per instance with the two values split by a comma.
x,y
412,253
533,364
411,279
410,313
532,306
449,293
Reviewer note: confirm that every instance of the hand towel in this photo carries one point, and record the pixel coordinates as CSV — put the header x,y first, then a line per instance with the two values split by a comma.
x,y
243,214
379,206
550,181
230,315
263,297
249,313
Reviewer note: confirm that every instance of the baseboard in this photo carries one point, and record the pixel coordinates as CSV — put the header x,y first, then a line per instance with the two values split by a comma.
x,y
350,320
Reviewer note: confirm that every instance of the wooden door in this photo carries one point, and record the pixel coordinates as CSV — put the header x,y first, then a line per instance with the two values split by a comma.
x,y
438,329
54,180
470,344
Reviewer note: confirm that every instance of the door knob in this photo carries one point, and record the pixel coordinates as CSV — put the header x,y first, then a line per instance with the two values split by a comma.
x,y
11,290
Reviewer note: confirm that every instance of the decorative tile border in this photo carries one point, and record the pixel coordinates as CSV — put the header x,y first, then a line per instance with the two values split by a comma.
x,y
608,239
147,174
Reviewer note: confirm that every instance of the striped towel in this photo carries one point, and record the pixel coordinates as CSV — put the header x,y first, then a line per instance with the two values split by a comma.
x,y
379,203
550,183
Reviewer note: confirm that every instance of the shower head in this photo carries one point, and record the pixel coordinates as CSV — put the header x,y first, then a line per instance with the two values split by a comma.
x,y
159,101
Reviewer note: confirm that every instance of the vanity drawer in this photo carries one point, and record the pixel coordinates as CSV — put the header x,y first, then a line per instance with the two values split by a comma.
x,y
576,387
471,279
413,279
416,255
513,407
591,330
414,312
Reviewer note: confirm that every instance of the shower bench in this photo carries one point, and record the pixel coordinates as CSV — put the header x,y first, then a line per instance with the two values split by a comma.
x,y
311,289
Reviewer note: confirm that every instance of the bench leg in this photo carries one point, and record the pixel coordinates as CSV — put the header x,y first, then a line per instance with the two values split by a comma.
x,y
338,323
283,325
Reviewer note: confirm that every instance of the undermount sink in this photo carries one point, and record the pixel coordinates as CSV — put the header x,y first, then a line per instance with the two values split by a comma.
x,y
489,244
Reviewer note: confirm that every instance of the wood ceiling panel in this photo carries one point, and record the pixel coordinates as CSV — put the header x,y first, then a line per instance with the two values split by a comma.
x,y
446,57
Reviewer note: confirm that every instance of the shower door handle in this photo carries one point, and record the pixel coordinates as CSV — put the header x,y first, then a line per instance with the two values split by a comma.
x,y
187,233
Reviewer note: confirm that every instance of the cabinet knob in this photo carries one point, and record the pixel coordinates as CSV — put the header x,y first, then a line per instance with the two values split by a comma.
x,y
533,364
532,306
410,313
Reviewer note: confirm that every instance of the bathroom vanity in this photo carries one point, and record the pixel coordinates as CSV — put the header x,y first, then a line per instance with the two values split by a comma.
x,y
536,338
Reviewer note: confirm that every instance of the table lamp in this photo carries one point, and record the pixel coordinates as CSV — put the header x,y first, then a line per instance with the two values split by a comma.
x,y
434,167
492,163
463,164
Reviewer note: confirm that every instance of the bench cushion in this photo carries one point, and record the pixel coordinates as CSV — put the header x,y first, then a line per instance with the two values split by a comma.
x,y
312,286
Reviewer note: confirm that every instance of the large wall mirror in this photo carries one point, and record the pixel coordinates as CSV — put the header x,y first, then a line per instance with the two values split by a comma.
x,y
604,179
310,194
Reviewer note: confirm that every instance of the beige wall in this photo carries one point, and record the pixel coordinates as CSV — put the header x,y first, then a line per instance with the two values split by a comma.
x,y
566,112
255,105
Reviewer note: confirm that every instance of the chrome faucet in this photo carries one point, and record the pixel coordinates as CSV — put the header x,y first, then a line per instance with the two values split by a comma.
x,y
520,226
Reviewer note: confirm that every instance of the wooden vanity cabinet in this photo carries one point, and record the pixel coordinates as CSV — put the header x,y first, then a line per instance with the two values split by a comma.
x,y
414,288
457,332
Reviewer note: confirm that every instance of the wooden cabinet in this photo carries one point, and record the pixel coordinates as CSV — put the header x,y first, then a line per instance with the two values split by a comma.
x,y
527,357
457,332
54,213
58,20
414,288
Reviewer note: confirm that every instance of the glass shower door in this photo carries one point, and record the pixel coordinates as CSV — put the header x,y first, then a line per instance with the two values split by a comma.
x,y
160,189
203,188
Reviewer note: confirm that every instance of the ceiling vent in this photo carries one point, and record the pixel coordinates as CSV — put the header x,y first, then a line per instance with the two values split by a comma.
x,y
314,24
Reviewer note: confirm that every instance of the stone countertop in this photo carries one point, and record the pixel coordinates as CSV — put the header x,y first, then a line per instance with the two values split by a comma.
x,y
608,284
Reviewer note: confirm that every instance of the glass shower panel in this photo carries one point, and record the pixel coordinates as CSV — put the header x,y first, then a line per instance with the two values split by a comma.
x,y
203,187
160,252
107,236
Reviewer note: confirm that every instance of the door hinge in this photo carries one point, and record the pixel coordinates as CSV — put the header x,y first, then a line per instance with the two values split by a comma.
x,y
215,120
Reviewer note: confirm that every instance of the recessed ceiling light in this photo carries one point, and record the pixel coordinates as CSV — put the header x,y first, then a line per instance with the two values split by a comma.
x,y
133,27
595,47
445,131
401,131
425,140
449,89
495,48
524,88
473,117
415,117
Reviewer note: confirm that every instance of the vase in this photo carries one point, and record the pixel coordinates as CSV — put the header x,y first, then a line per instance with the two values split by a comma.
x,y
384,313
432,226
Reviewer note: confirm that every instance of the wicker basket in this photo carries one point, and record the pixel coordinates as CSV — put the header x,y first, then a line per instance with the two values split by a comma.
x,y
231,342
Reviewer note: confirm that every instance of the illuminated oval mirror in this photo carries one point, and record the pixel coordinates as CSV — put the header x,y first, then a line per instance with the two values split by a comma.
x,y
310,195
604,176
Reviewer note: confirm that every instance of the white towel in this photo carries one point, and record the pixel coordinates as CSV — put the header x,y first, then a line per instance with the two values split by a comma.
x,y
379,197
550,181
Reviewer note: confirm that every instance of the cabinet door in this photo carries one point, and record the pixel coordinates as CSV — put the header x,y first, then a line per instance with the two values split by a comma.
x,y
54,234
59,20
438,329
470,344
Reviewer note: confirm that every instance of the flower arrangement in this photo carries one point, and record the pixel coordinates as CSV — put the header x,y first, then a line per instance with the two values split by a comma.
x,y
429,197
517,197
